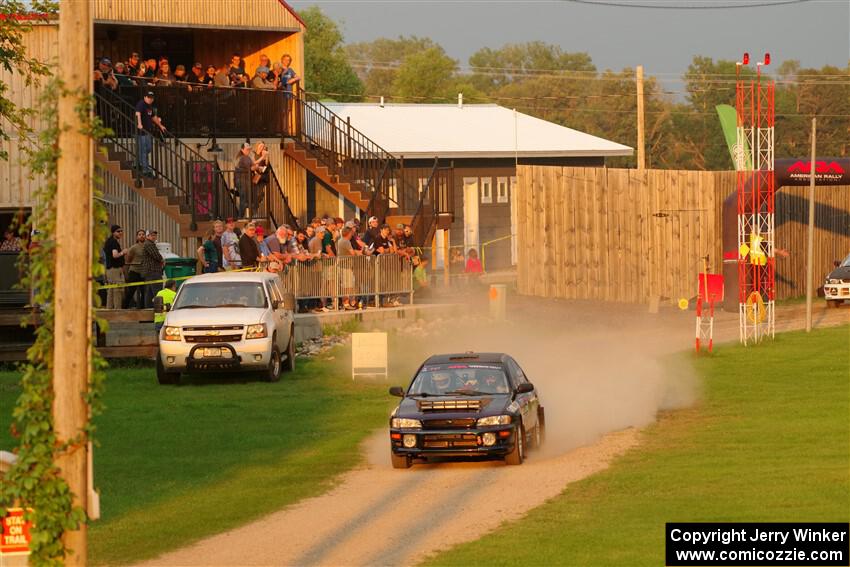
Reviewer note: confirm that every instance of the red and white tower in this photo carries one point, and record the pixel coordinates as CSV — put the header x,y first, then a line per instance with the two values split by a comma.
x,y
756,204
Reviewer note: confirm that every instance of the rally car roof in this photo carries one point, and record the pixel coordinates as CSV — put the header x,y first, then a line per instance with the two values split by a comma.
x,y
467,357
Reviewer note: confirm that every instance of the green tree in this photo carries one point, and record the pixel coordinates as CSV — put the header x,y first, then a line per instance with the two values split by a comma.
x,y
513,62
326,67
426,76
377,61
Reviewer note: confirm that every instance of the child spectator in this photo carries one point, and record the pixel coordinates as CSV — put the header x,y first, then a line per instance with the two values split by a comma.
x,y
473,264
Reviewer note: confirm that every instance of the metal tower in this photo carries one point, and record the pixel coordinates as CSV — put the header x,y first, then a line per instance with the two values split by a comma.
x,y
756,205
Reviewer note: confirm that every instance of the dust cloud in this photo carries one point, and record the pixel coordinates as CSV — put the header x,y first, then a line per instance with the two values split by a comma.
x,y
598,368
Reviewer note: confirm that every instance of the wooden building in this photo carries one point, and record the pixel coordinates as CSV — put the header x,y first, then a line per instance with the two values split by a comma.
x,y
186,31
483,143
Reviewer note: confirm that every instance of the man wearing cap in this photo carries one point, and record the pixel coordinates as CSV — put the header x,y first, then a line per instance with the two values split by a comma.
x,y
103,75
197,74
249,251
230,246
114,254
146,123
151,266
261,79
180,74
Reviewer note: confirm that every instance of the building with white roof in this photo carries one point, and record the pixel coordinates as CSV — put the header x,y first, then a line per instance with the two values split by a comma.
x,y
482,143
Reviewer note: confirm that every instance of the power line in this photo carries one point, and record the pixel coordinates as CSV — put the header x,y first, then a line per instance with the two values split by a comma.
x,y
669,6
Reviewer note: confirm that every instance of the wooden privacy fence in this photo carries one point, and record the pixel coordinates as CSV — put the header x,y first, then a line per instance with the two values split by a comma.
x,y
626,235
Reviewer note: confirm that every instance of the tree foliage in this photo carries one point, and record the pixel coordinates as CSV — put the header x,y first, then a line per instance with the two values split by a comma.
x,y
326,66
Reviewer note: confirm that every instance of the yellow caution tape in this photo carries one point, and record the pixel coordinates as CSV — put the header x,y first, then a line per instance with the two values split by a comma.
x,y
177,279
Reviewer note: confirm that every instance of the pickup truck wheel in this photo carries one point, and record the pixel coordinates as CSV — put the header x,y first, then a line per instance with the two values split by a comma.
x,y
272,373
289,364
163,377
400,461
516,456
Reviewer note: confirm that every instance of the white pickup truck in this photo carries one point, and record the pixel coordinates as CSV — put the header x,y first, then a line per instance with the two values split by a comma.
x,y
228,322
836,288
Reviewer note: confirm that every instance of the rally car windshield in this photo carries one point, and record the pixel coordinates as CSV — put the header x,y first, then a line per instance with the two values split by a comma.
x,y
459,379
221,294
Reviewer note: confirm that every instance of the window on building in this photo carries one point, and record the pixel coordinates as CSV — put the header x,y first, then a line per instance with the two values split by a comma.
x,y
486,190
502,189
423,181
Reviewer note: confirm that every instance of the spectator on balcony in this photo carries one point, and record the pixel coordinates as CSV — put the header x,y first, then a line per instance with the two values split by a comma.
x,y
230,246
222,76
147,122
288,77
151,266
208,78
236,68
164,77
248,248
150,68
180,74
11,243
123,76
261,79
133,64
104,78
196,76
245,169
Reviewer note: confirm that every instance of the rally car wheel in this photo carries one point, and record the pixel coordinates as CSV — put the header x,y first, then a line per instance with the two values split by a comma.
x,y
400,461
163,377
272,373
289,365
516,456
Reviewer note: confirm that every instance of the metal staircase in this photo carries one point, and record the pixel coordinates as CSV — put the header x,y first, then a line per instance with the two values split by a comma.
x,y
189,188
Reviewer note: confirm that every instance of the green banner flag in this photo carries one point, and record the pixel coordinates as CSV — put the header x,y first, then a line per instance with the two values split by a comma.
x,y
742,159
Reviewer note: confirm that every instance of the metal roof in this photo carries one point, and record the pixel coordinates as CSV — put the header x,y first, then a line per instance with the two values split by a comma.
x,y
470,131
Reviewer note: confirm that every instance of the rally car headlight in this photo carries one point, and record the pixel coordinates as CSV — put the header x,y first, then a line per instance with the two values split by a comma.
x,y
494,420
405,423
171,333
256,331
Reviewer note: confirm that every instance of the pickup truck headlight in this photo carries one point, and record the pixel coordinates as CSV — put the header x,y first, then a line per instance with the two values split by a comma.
x,y
256,331
405,423
494,420
833,281
171,333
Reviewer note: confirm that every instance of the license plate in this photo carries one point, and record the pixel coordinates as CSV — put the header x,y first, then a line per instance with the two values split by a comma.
x,y
212,352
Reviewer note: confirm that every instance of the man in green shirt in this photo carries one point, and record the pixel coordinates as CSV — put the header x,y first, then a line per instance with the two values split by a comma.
x,y
164,297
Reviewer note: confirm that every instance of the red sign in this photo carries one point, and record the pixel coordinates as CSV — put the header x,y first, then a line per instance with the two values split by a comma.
x,y
820,167
14,532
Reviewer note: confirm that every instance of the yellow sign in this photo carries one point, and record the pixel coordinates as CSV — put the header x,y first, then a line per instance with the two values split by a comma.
x,y
368,354
744,250
683,304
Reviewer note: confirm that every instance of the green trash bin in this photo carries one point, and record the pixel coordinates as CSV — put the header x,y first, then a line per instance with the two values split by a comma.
x,y
180,268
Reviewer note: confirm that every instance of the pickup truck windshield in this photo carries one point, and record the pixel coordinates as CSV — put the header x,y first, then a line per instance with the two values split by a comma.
x,y
220,294
458,379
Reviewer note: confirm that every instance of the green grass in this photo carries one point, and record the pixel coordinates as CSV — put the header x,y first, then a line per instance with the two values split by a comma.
x,y
769,442
179,463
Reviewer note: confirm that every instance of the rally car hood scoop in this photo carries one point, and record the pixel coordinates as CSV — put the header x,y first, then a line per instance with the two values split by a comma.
x,y
452,404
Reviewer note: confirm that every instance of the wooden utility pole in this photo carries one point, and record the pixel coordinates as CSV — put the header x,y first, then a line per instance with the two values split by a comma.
x,y
71,351
641,143
811,237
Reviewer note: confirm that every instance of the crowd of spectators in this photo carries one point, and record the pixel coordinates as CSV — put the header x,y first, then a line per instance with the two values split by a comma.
x,y
234,245
157,72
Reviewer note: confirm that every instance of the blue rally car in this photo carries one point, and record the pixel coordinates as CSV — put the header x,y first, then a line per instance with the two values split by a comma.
x,y
466,405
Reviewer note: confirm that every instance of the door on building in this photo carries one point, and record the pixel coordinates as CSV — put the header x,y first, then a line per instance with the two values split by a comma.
x,y
470,214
